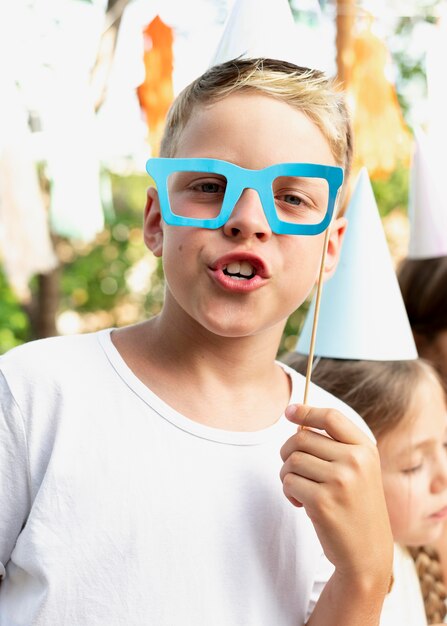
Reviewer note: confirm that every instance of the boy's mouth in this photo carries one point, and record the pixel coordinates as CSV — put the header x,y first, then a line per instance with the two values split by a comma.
x,y
239,270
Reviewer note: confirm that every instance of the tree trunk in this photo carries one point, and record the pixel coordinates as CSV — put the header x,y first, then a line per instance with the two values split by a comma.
x,y
345,21
42,309
46,305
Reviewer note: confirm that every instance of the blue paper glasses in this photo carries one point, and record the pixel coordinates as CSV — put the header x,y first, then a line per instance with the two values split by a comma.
x,y
297,198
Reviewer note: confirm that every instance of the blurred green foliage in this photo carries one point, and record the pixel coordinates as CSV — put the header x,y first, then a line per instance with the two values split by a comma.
x,y
94,279
392,193
410,63
14,322
109,282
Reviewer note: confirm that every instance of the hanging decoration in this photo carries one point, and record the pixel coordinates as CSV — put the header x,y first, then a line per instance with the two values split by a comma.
x,y
382,139
156,93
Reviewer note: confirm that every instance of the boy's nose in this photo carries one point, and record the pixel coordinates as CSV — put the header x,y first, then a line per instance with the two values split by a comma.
x,y
248,218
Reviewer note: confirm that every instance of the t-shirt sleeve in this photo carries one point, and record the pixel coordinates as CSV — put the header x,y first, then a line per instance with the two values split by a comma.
x,y
14,475
324,571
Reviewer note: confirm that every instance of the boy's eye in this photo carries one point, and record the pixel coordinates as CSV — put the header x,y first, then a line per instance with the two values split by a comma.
x,y
209,187
196,194
293,199
298,205
197,182
307,193
290,199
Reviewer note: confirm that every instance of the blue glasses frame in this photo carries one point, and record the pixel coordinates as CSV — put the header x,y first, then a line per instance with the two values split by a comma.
x,y
238,179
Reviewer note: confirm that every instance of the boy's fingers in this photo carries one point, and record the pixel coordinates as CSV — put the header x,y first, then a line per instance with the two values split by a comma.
x,y
337,425
307,466
299,490
306,440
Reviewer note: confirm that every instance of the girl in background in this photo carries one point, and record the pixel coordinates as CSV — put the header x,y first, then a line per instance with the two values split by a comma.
x,y
403,403
423,281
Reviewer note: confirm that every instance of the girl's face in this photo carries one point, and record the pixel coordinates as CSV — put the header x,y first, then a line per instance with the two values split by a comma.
x,y
414,468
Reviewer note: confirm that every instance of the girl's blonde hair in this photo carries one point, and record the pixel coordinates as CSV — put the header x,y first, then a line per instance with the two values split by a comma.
x,y
307,90
381,392
434,592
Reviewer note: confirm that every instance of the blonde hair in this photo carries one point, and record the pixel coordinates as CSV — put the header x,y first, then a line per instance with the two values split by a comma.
x,y
307,90
434,592
380,391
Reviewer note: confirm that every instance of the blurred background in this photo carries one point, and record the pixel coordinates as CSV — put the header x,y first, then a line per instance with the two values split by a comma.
x,y
85,88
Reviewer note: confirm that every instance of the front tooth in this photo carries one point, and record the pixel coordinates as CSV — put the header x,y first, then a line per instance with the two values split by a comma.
x,y
234,268
246,269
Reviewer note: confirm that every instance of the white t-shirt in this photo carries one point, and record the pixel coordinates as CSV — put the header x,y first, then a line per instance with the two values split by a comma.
x,y
404,604
117,510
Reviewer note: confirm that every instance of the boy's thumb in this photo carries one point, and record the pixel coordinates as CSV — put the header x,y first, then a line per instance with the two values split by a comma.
x,y
294,413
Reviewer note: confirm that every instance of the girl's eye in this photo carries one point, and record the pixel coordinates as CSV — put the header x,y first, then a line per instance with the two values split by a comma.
x,y
412,470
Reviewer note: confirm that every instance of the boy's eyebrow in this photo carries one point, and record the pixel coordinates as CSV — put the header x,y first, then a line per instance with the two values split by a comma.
x,y
311,180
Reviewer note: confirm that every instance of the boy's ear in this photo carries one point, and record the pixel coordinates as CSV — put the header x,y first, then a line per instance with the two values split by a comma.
x,y
337,233
153,223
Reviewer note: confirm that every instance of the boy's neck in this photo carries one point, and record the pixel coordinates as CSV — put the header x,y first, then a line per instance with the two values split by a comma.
x,y
205,376
236,361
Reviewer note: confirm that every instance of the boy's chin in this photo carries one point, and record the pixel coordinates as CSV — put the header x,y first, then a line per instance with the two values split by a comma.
x,y
234,331
242,326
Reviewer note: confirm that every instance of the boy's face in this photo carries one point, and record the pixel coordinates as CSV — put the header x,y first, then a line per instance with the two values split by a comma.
x,y
414,468
253,131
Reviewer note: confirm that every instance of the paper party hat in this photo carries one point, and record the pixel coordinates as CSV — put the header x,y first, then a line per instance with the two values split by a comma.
x,y
362,313
427,205
259,30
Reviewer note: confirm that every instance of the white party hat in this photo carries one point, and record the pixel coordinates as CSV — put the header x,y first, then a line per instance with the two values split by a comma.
x,y
427,206
362,313
259,30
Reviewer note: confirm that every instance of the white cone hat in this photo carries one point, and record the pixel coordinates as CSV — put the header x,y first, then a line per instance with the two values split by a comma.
x,y
257,29
362,313
427,206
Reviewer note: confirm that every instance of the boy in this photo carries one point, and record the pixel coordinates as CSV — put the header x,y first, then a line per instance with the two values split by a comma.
x,y
145,484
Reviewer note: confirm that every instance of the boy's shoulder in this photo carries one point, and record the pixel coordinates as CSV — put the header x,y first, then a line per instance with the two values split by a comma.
x,y
40,379
49,358
319,397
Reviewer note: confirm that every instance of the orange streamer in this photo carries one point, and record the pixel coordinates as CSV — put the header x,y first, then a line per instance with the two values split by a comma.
x,y
381,136
156,93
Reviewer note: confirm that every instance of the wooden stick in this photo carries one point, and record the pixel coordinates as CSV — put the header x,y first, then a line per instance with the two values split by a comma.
x,y
315,320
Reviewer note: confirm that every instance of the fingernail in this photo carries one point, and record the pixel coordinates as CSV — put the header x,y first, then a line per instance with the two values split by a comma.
x,y
290,410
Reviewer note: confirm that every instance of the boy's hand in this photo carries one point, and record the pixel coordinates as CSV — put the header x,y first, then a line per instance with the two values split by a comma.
x,y
338,481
